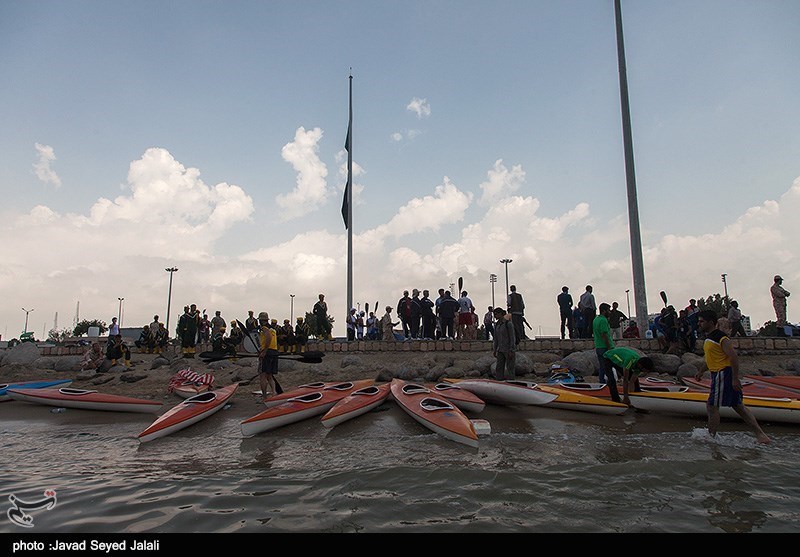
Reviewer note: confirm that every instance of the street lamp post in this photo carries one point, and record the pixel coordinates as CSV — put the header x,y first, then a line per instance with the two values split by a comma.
x,y
725,286
506,262
291,308
492,280
628,296
119,313
27,311
170,270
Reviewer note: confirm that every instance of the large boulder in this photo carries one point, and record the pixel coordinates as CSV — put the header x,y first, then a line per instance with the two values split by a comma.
x,y
692,358
45,362
351,360
68,363
86,374
132,377
159,362
666,363
686,370
24,353
484,363
584,362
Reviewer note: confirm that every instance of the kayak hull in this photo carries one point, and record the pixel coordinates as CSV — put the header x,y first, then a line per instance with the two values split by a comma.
x,y
43,384
188,412
356,404
434,412
462,398
300,407
694,404
85,400
506,392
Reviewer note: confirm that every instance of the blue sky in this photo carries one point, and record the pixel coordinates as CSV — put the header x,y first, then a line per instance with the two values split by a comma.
x,y
209,136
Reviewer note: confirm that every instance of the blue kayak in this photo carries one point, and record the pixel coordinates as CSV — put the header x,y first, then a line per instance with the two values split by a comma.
x,y
44,384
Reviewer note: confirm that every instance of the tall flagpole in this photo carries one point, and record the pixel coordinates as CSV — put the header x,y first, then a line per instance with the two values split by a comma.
x,y
639,291
348,200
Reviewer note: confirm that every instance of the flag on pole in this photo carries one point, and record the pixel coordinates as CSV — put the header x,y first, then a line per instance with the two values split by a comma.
x,y
345,201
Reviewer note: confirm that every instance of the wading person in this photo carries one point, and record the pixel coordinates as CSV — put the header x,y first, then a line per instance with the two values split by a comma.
x,y
726,388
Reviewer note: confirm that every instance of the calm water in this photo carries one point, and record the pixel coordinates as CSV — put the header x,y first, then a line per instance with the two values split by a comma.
x,y
540,470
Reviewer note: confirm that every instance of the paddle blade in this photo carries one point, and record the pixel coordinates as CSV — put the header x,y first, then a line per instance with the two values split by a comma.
x,y
460,284
664,297
366,308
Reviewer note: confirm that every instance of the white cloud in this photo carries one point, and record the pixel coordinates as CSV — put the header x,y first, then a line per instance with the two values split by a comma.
x,y
396,136
312,189
41,167
501,182
420,107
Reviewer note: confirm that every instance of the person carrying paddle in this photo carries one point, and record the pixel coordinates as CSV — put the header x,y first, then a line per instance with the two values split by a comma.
x,y
628,364
723,363
267,356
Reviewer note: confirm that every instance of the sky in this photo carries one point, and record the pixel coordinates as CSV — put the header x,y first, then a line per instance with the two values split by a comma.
x,y
209,136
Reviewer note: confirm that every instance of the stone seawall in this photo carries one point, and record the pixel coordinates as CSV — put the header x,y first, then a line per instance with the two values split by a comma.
x,y
755,346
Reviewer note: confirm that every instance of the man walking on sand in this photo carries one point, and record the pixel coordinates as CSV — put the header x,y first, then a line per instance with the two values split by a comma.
x,y
726,388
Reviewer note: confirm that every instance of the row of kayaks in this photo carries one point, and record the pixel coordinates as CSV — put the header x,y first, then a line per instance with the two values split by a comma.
x,y
439,407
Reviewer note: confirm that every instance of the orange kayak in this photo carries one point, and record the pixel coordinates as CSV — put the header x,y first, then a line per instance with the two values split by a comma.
x,y
356,403
297,408
309,388
85,400
434,412
188,412
788,382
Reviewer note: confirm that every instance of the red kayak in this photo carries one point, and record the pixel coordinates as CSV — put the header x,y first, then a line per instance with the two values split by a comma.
x,y
355,404
300,407
434,412
309,388
788,382
749,388
85,400
188,412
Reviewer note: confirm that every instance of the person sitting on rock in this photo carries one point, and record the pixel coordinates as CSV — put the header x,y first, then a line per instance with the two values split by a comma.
x,y
146,341
221,344
161,339
93,358
117,350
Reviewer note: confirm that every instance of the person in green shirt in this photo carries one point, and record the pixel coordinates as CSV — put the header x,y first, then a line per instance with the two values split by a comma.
x,y
601,330
627,363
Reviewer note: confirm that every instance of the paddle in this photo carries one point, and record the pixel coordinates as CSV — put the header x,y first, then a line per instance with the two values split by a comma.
x,y
460,285
306,358
664,297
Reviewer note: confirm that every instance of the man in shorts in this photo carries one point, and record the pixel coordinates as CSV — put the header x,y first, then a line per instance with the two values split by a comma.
x,y
723,363
267,355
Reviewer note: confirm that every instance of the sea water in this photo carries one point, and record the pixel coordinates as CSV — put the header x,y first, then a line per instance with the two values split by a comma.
x,y
539,470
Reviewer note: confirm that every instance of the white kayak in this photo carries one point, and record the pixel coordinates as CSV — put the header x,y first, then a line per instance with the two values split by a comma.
x,y
511,392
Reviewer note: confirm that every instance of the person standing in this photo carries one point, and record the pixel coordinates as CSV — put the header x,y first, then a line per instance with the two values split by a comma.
x,y
217,322
320,312
504,346
416,313
251,323
360,325
188,325
735,318
448,312
426,308
113,329
691,316
779,295
387,326
154,325
721,360
439,329
488,323
516,307
601,331
301,334
565,311
588,309
267,356
404,313
372,326
351,322
579,327
204,328
615,319
465,308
